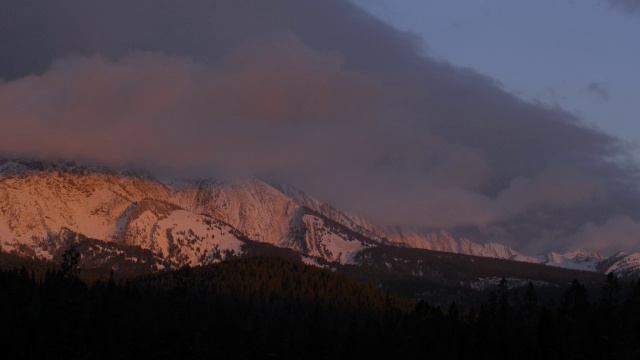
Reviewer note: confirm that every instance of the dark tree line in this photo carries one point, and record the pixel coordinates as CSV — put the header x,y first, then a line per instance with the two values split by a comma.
x,y
510,325
248,308
268,307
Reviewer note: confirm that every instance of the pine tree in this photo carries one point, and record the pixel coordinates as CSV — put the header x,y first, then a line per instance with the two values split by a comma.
x,y
70,266
530,305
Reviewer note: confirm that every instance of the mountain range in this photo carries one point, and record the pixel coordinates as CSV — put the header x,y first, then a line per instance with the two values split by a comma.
x,y
46,205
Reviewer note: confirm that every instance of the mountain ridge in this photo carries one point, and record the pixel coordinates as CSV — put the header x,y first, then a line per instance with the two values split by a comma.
x,y
195,222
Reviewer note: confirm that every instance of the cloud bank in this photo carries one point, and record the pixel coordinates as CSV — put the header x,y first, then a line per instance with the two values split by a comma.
x,y
318,94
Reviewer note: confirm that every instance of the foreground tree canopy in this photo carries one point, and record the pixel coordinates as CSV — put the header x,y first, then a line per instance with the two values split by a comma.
x,y
277,308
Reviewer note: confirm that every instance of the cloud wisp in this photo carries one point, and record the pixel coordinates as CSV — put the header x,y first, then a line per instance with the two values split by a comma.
x,y
315,93
629,6
599,90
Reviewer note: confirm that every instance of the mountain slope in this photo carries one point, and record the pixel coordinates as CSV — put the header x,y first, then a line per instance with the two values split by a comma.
x,y
621,264
579,260
186,225
205,221
445,242
36,203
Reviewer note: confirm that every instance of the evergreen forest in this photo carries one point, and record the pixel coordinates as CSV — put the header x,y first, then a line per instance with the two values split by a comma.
x,y
276,308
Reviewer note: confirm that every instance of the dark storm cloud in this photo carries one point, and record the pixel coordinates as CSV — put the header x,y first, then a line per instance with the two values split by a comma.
x,y
37,32
315,93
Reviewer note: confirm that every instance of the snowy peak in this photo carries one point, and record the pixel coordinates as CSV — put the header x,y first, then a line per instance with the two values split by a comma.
x,y
284,217
627,266
298,196
577,260
437,241
579,256
37,203
621,264
445,242
355,223
253,207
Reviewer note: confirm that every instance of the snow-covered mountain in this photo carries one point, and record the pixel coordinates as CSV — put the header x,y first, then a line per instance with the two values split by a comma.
x,y
204,221
621,264
189,224
578,260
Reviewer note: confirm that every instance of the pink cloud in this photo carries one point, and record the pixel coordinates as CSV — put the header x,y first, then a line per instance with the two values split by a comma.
x,y
149,107
556,185
618,233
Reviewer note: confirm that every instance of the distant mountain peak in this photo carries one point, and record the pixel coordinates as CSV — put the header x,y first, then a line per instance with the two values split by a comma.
x,y
580,255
